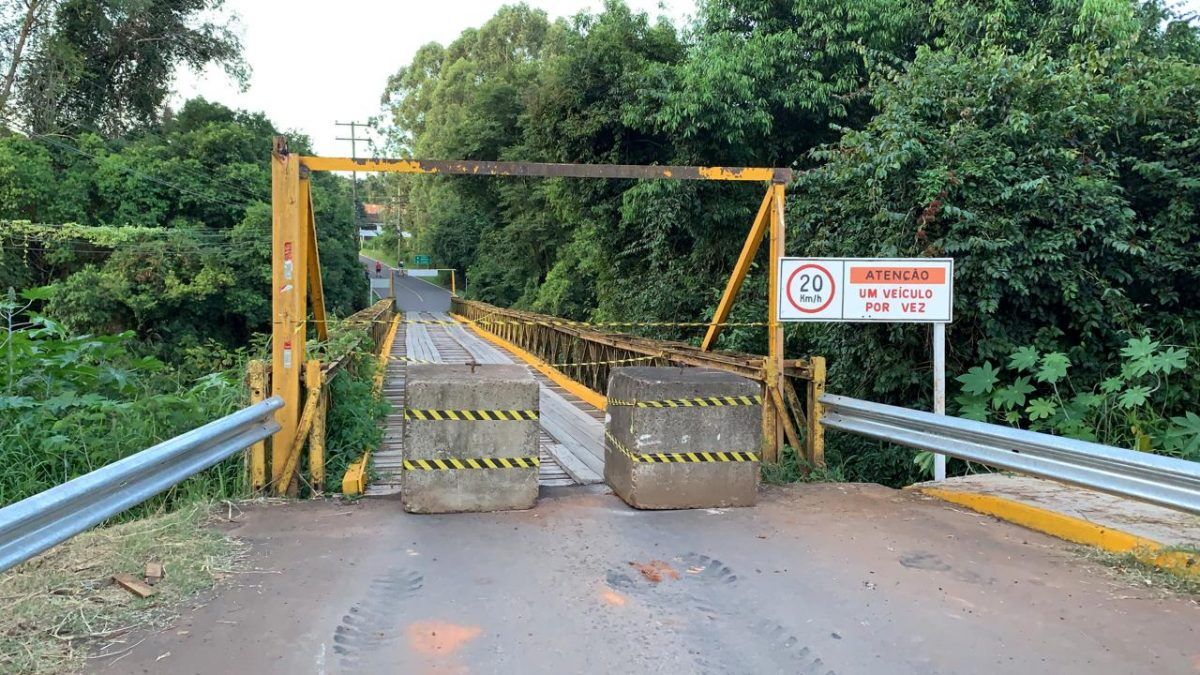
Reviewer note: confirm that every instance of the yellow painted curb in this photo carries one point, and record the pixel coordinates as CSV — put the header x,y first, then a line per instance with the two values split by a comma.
x,y
1148,551
556,376
384,351
354,483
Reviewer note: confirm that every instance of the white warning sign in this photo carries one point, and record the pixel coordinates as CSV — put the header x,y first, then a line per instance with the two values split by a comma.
x,y
904,290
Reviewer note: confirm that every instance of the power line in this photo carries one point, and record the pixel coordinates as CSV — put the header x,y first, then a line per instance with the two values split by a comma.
x,y
354,139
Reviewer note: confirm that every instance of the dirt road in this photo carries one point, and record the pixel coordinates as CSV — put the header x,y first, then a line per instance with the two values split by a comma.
x,y
816,579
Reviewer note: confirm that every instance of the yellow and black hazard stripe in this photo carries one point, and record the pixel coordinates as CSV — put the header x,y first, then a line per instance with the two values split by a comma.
x,y
699,402
465,463
683,457
470,415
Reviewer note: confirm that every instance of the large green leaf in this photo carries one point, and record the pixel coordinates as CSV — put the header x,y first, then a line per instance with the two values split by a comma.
x,y
980,379
1133,397
1186,431
1024,358
1054,367
1041,408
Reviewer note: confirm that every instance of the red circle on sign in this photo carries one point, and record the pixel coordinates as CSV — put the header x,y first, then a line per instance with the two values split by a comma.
x,y
832,288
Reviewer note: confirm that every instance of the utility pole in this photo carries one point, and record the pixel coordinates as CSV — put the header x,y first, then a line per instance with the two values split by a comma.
x,y
354,140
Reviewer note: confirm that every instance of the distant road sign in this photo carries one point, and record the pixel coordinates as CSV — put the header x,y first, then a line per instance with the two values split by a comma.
x,y
899,290
421,259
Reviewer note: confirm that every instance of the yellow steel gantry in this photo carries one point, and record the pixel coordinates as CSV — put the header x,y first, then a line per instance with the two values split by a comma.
x,y
296,277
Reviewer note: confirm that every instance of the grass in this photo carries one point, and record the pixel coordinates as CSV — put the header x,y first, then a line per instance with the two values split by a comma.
x,y
791,468
1129,569
60,609
387,256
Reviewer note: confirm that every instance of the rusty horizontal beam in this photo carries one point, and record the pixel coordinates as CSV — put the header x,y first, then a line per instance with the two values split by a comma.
x,y
541,169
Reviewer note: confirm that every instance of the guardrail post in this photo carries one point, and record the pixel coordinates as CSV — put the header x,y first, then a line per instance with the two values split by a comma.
x,y
316,439
814,439
256,379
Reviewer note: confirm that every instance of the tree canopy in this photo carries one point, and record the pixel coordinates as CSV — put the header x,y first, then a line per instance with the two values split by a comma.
x,y
1050,148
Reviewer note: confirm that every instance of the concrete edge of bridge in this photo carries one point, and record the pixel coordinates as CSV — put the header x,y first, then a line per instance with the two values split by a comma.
x,y
1044,511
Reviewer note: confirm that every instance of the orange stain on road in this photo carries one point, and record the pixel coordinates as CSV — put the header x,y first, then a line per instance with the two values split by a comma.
x,y
613,598
439,638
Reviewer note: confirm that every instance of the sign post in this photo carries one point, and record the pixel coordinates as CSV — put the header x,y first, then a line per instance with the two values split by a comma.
x,y
939,389
888,290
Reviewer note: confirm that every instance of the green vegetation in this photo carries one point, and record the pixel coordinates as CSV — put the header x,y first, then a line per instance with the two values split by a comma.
x,y
1129,569
70,404
791,468
354,417
60,607
383,249
175,236
1124,409
1051,149
141,238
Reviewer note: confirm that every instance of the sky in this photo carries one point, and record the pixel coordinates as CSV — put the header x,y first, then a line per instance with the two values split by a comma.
x,y
317,62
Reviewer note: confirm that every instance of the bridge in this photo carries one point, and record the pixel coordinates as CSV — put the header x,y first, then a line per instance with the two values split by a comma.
x,y
612,520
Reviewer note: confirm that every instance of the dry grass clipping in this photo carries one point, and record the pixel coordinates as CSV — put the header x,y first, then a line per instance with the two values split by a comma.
x,y
61,608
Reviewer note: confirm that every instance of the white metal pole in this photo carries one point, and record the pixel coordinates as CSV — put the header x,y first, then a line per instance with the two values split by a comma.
x,y
939,390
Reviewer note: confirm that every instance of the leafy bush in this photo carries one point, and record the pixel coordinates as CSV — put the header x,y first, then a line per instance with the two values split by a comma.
x,y
1146,404
354,415
70,404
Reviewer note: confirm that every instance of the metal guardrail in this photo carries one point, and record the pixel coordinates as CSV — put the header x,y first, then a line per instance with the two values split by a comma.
x,y
1166,481
48,518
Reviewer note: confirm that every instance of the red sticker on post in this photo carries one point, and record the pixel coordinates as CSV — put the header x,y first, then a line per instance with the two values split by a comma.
x,y
287,260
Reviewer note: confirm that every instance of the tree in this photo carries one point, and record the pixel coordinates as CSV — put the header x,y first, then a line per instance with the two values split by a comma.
x,y
106,65
196,267
20,20
766,81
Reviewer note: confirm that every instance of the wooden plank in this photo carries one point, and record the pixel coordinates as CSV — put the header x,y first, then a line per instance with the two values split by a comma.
x,y
581,434
576,468
133,585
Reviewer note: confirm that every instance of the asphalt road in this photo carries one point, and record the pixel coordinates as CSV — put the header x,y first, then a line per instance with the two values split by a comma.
x,y
815,579
413,294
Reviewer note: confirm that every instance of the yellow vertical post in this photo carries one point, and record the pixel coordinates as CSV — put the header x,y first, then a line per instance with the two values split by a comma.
x,y
453,290
256,379
814,441
288,298
773,366
316,438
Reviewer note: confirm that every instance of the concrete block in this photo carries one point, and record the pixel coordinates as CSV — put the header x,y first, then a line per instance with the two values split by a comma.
x,y
487,387
640,431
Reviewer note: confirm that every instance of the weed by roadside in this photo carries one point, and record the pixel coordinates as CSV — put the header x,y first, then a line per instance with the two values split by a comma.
x,y
1128,568
60,609
792,468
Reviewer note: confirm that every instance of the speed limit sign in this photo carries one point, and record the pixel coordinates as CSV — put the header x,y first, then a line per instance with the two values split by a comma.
x,y
894,290
810,290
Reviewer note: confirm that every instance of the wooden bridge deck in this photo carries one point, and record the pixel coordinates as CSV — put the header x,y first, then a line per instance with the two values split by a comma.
x,y
572,431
